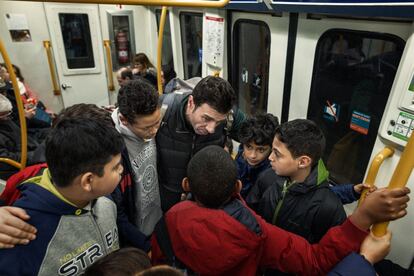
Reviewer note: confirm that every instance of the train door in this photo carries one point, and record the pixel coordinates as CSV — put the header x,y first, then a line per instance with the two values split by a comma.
x,y
78,50
342,77
258,57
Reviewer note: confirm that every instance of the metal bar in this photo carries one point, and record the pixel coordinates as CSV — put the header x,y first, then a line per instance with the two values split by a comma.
x,y
399,179
11,162
20,110
169,3
374,168
159,48
48,47
107,45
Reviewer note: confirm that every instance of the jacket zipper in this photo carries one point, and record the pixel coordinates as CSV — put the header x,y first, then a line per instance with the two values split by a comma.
x,y
193,145
286,187
99,231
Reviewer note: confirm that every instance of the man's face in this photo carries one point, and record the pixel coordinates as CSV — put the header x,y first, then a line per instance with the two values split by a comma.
x,y
254,154
121,81
145,126
107,183
204,119
282,161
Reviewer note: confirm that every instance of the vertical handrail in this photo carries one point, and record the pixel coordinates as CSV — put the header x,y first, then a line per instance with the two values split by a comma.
x,y
159,49
107,45
374,168
48,47
20,109
399,179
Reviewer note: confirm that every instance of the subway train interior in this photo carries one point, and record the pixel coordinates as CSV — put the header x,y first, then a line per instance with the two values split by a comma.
x,y
347,66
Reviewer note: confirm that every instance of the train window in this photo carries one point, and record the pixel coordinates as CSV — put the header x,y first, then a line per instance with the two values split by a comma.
x,y
352,78
167,52
77,40
192,40
250,64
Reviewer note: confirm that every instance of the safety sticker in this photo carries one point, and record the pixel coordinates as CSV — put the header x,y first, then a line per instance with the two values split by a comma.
x,y
360,122
404,126
331,111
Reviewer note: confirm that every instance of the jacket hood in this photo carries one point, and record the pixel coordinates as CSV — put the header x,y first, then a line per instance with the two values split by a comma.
x,y
221,240
39,193
318,175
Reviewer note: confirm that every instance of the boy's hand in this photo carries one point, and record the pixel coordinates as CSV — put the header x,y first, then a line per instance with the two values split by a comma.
x,y
13,230
382,205
358,188
374,249
30,113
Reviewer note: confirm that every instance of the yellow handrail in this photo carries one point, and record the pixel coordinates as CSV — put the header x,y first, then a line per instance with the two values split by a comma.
x,y
107,45
20,109
399,179
169,3
159,48
373,169
48,47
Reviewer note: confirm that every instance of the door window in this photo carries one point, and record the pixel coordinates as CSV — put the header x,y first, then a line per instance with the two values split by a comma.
x,y
250,63
351,82
167,52
192,40
77,40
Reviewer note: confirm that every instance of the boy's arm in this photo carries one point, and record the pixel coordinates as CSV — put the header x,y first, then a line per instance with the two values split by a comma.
x,y
291,253
345,192
353,264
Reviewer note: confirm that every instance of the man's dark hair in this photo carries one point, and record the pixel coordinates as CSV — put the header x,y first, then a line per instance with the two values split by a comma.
x,y
212,176
259,129
137,98
216,92
123,262
78,145
126,74
169,73
302,137
89,111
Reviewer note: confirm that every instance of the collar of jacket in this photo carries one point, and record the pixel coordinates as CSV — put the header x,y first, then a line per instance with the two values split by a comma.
x,y
182,124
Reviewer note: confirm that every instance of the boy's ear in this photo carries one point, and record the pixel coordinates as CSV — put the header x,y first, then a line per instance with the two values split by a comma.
x,y
86,181
238,186
123,120
185,184
304,161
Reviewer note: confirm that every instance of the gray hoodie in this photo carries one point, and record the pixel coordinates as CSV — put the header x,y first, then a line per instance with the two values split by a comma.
x,y
143,157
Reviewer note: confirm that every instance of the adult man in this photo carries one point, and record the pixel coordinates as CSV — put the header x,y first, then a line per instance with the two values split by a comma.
x,y
138,118
123,75
192,122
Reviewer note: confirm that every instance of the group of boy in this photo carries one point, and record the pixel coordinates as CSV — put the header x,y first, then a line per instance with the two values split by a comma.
x,y
180,144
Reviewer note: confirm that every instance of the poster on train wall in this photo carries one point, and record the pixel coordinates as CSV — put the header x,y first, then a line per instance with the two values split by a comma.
x,y
18,27
214,49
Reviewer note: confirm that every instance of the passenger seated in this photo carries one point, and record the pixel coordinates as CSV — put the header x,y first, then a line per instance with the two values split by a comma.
x,y
10,141
255,136
123,75
217,234
76,224
128,261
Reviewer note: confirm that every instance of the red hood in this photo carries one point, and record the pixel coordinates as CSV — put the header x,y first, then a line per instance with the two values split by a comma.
x,y
210,241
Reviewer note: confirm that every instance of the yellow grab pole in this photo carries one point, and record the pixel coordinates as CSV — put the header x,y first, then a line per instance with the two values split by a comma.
x,y
399,179
373,169
159,48
107,45
169,3
48,47
20,109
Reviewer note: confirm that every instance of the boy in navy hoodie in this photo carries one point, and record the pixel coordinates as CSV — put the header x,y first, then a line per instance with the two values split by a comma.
x,y
76,224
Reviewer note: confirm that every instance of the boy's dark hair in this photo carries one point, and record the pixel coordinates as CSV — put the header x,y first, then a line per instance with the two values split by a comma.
x,y
136,98
88,111
259,129
126,74
212,176
78,145
161,270
216,92
302,137
169,73
123,262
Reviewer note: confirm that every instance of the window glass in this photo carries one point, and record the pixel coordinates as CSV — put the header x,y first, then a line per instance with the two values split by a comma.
x,y
352,79
250,63
192,40
77,40
167,53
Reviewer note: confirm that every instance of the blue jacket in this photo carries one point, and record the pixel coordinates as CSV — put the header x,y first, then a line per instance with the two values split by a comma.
x,y
345,192
353,264
247,173
68,239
